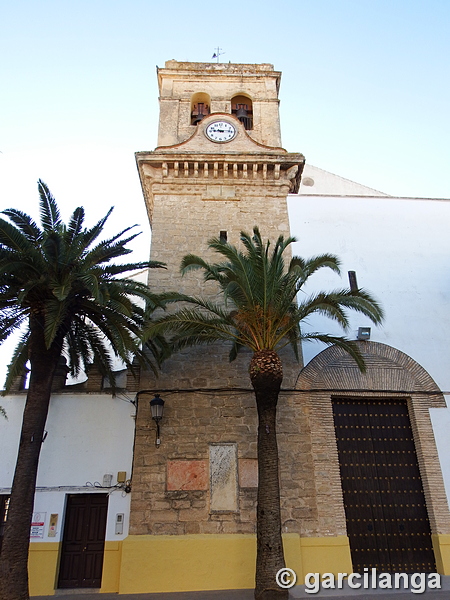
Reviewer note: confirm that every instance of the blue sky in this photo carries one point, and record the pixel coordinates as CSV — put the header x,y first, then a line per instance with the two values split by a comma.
x,y
365,91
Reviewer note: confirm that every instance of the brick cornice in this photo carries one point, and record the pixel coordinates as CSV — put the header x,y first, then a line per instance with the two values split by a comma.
x,y
387,369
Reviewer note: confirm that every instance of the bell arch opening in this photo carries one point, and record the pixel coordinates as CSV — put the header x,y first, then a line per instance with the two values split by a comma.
x,y
200,107
242,108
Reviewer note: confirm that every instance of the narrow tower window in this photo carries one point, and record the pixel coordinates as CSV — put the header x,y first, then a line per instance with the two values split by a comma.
x,y
223,236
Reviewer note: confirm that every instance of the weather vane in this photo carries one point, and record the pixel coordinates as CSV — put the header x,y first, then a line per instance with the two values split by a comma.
x,y
217,53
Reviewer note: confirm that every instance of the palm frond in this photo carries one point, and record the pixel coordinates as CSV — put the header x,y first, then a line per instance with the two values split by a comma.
x,y
13,239
312,265
75,225
186,322
363,302
100,352
11,319
327,304
350,346
191,262
105,252
55,315
236,347
18,361
25,223
50,217
128,267
77,347
90,235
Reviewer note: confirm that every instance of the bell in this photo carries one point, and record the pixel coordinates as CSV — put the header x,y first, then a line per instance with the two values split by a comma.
x,y
200,111
242,112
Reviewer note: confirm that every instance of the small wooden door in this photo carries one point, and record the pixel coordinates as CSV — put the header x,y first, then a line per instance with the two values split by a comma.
x,y
83,541
387,521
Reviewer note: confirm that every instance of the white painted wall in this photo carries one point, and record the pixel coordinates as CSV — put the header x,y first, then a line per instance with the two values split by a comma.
x,y
88,435
400,250
317,181
440,419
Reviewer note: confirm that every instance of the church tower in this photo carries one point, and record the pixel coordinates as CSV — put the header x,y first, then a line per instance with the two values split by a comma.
x,y
219,169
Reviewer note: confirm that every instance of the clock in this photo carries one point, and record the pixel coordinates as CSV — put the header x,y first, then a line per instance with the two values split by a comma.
x,y
220,131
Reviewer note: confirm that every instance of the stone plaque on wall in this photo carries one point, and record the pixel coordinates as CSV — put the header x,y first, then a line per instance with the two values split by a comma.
x,y
187,475
248,473
223,477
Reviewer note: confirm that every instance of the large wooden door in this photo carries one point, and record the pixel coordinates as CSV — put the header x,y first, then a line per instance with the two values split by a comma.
x,y
83,541
387,521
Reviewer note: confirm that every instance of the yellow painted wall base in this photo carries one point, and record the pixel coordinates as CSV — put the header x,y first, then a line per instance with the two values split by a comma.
x,y
169,563
325,555
42,567
441,547
147,564
153,564
111,567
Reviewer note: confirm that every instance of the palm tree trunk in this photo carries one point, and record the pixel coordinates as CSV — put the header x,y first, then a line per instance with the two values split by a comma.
x,y
16,540
266,375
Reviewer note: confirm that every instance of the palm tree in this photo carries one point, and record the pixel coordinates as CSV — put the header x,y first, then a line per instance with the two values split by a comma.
x,y
66,298
259,311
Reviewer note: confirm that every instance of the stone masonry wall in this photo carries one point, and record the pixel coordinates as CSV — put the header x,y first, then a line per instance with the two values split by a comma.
x,y
172,495
178,487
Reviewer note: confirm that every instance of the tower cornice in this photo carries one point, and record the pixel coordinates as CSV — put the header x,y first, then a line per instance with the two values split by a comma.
x,y
176,69
206,173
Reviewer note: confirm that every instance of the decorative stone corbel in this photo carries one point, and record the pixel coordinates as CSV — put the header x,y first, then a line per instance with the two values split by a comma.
x,y
290,175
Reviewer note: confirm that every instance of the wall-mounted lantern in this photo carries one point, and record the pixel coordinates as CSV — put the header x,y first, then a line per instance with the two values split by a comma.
x,y
157,409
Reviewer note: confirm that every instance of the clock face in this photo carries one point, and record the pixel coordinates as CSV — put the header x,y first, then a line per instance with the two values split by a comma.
x,y
220,131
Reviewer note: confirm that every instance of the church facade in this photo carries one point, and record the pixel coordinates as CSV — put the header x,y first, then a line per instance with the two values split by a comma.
x,y
364,478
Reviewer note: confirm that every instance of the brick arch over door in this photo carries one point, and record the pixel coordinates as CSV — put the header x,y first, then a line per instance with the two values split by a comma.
x,y
389,374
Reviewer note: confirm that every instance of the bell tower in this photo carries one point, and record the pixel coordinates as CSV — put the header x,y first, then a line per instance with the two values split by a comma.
x,y
219,169
190,91
219,166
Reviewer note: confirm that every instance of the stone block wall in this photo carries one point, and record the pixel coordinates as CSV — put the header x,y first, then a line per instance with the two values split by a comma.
x,y
192,422
173,485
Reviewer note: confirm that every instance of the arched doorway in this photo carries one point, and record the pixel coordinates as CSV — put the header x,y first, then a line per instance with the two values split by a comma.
x,y
363,465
